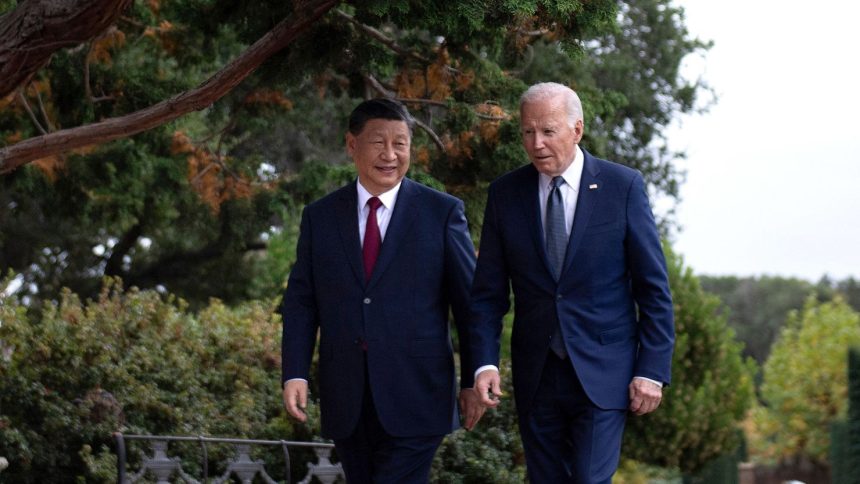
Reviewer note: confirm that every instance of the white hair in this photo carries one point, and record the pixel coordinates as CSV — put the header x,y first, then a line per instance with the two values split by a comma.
x,y
544,90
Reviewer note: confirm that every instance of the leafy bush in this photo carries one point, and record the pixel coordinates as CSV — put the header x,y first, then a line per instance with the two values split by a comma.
x,y
136,362
491,453
805,382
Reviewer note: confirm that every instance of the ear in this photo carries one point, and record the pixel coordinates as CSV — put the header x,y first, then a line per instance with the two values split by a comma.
x,y
350,143
578,130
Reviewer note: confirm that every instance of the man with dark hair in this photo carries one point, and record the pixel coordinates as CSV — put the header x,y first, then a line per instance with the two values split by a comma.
x,y
379,265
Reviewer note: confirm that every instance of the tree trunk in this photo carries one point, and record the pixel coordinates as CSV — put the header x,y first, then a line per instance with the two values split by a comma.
x,y
35,29
305,14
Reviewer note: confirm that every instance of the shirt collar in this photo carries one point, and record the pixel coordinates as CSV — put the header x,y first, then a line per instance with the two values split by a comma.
x,y
387,198
572,175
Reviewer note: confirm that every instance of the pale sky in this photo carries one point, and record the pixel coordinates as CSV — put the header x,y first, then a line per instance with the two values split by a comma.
x,y
773,169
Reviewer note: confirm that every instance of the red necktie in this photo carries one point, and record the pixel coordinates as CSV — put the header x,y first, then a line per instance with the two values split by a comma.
x,y
372,239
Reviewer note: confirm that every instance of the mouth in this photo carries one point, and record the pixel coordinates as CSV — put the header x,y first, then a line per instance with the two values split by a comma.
x,y
387,170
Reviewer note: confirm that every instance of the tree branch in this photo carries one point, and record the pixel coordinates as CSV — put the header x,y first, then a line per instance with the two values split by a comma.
x,y
48,124
431,102
35,29
372,82
385,40
27,108
196,99
119,251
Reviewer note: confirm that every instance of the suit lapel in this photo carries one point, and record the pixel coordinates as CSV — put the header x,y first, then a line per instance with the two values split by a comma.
x,y
398,227
589,190
531,206
347,222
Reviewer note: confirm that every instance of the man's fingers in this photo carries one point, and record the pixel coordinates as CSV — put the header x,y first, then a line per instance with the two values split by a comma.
x,y
487,401
474,416
471,419
471,407
303,399
490,393
645,396
496,386
296,399
635,405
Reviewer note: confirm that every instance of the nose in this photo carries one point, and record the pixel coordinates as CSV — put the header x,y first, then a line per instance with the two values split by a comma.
x,y
388,152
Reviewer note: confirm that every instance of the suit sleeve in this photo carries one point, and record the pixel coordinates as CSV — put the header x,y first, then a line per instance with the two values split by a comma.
x,y
298,310
490,290
650,285
459,271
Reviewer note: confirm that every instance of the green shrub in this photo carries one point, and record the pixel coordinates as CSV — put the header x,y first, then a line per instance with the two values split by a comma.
x,y
805,381
491,453
137,362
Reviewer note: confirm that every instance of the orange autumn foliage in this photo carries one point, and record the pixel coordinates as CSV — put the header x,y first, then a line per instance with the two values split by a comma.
x,y
52,165
269,97
100,49
436,82
208,177
489,128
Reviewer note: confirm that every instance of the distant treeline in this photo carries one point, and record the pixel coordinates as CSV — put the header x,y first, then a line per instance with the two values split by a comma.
x,y
757,306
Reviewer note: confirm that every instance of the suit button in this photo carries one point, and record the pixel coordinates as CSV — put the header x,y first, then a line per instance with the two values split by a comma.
x,y
558,297
367,300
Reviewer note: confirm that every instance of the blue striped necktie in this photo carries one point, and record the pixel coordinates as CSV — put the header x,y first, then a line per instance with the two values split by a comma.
x,y
556,235
556,247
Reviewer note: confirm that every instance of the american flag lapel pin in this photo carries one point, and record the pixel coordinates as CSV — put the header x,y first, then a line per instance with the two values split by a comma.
x,y
593,186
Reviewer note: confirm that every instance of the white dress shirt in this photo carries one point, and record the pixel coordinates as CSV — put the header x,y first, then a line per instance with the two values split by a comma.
x,y
383,213
569,190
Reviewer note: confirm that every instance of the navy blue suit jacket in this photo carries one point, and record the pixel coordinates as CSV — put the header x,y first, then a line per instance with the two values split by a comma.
x,y
612,299
398,320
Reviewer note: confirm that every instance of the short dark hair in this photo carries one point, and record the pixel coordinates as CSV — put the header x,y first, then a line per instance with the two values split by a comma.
x,y
379,108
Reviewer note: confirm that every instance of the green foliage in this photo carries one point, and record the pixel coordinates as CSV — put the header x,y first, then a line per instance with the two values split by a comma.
x,y
190,206
805,386
628,80
491,453
756,307
136,362
721,470
711,386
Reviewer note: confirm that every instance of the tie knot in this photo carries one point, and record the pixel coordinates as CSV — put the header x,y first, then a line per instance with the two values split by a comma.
x,y
557,181
374,203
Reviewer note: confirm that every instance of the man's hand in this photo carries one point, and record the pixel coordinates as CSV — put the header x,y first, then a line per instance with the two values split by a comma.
x,y
488,382
296,398
645,396
471,407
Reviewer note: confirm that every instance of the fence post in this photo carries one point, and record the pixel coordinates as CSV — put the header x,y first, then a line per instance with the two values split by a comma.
x,y
746,473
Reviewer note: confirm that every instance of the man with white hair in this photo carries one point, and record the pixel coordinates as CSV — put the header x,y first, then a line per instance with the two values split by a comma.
x,y
593,331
